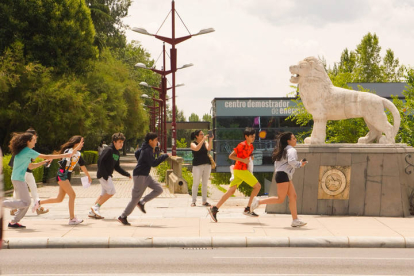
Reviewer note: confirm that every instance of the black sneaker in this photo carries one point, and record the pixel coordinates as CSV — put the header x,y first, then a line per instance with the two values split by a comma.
x,y
248,213
16,225
141,207
213,212
124,221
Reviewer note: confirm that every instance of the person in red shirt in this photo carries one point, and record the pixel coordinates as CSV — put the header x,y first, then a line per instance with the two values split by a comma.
x,y
242,154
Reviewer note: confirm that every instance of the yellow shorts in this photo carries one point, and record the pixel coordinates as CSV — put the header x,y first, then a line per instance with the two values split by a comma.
x,y
243,175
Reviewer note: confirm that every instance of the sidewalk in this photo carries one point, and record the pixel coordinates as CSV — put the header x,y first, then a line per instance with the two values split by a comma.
x,y
171,222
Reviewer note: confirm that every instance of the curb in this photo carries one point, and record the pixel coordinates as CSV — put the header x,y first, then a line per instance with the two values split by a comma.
x,y
208,242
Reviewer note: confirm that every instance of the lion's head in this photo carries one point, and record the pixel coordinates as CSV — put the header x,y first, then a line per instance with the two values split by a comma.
x,y
310,69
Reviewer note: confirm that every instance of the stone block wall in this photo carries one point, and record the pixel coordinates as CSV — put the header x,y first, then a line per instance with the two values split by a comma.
x,y
380,180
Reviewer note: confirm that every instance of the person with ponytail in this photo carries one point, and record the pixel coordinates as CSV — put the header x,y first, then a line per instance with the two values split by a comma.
x,y
201,165
21,146
63,177
285,158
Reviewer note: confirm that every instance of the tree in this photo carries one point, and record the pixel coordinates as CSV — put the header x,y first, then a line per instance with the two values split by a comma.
x,y
207,118
107,18
54,33
194,118
391,70
368,59
406,109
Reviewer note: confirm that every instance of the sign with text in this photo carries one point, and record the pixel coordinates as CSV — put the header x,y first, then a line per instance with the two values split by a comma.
x,y
254,107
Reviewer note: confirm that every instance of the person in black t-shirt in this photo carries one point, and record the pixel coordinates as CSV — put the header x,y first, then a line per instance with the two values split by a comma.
x,y
201,164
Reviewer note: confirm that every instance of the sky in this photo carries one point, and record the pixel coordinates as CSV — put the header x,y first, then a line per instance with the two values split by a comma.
x,y
255,41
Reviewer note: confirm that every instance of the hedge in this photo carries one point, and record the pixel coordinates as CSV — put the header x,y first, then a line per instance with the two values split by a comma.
x,y
90,157
7,171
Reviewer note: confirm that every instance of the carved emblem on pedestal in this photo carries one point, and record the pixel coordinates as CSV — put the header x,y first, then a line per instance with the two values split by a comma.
x,y
334,182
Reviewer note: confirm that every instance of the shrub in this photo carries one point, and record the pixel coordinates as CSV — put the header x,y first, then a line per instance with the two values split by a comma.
x,y
7,171
162,171
90,157
51,171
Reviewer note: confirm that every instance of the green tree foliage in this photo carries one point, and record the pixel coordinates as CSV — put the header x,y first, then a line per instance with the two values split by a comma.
x,y
368,68
194,118
406,109
207,118
54,33
104,101
107,18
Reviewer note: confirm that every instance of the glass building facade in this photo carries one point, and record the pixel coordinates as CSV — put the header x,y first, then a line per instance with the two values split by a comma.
x,y
266,115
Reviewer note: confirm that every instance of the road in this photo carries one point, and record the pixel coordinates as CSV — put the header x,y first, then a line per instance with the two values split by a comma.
x,y
202,261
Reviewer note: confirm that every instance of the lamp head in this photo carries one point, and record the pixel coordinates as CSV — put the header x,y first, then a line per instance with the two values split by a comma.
x,y
205,31
141,31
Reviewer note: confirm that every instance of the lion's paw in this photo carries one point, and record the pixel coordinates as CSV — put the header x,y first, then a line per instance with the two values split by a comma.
x,y
383,140
362,140
308,140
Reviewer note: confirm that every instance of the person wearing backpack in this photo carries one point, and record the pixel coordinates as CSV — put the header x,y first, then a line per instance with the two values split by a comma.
x,y
141,177
64,173
108,161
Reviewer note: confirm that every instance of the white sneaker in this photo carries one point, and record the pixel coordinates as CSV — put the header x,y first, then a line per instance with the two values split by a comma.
x,y
255,203
75,221
298,223
95,210
91,214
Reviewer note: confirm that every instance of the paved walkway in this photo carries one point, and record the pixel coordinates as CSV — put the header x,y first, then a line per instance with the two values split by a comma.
x,y
170,221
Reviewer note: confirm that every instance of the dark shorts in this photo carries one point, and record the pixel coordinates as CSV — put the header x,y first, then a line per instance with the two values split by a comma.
x,y
281,177
69,176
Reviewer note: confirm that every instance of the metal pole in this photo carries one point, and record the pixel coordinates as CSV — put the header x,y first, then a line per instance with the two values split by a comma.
x,y
173,69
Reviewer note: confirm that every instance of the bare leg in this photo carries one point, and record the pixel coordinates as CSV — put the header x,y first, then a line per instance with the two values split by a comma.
x,y
58,199
256,190
226,196
102,199
292,200
282,191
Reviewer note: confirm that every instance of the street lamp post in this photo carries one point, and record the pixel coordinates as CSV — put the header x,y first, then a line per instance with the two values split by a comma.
x,y
162,91
173,56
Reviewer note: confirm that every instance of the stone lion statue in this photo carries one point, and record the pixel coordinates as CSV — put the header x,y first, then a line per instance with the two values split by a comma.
x,y
327,102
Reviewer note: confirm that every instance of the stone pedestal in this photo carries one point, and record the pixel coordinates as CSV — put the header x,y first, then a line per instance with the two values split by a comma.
x,y
352,179
174,179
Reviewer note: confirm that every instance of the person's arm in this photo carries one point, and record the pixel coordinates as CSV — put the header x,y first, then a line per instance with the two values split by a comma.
x,y
292,159
233,156
82,166
210,142
160,159
33,166
85,170
195,147
59,156
121,170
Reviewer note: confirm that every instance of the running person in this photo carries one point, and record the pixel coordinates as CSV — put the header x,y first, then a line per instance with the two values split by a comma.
x,y
142,179
21,146
107,162
241,154
64,175
201,165
31,182
286,161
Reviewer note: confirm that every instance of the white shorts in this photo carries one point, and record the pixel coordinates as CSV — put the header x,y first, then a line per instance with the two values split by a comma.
x,y
107,186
